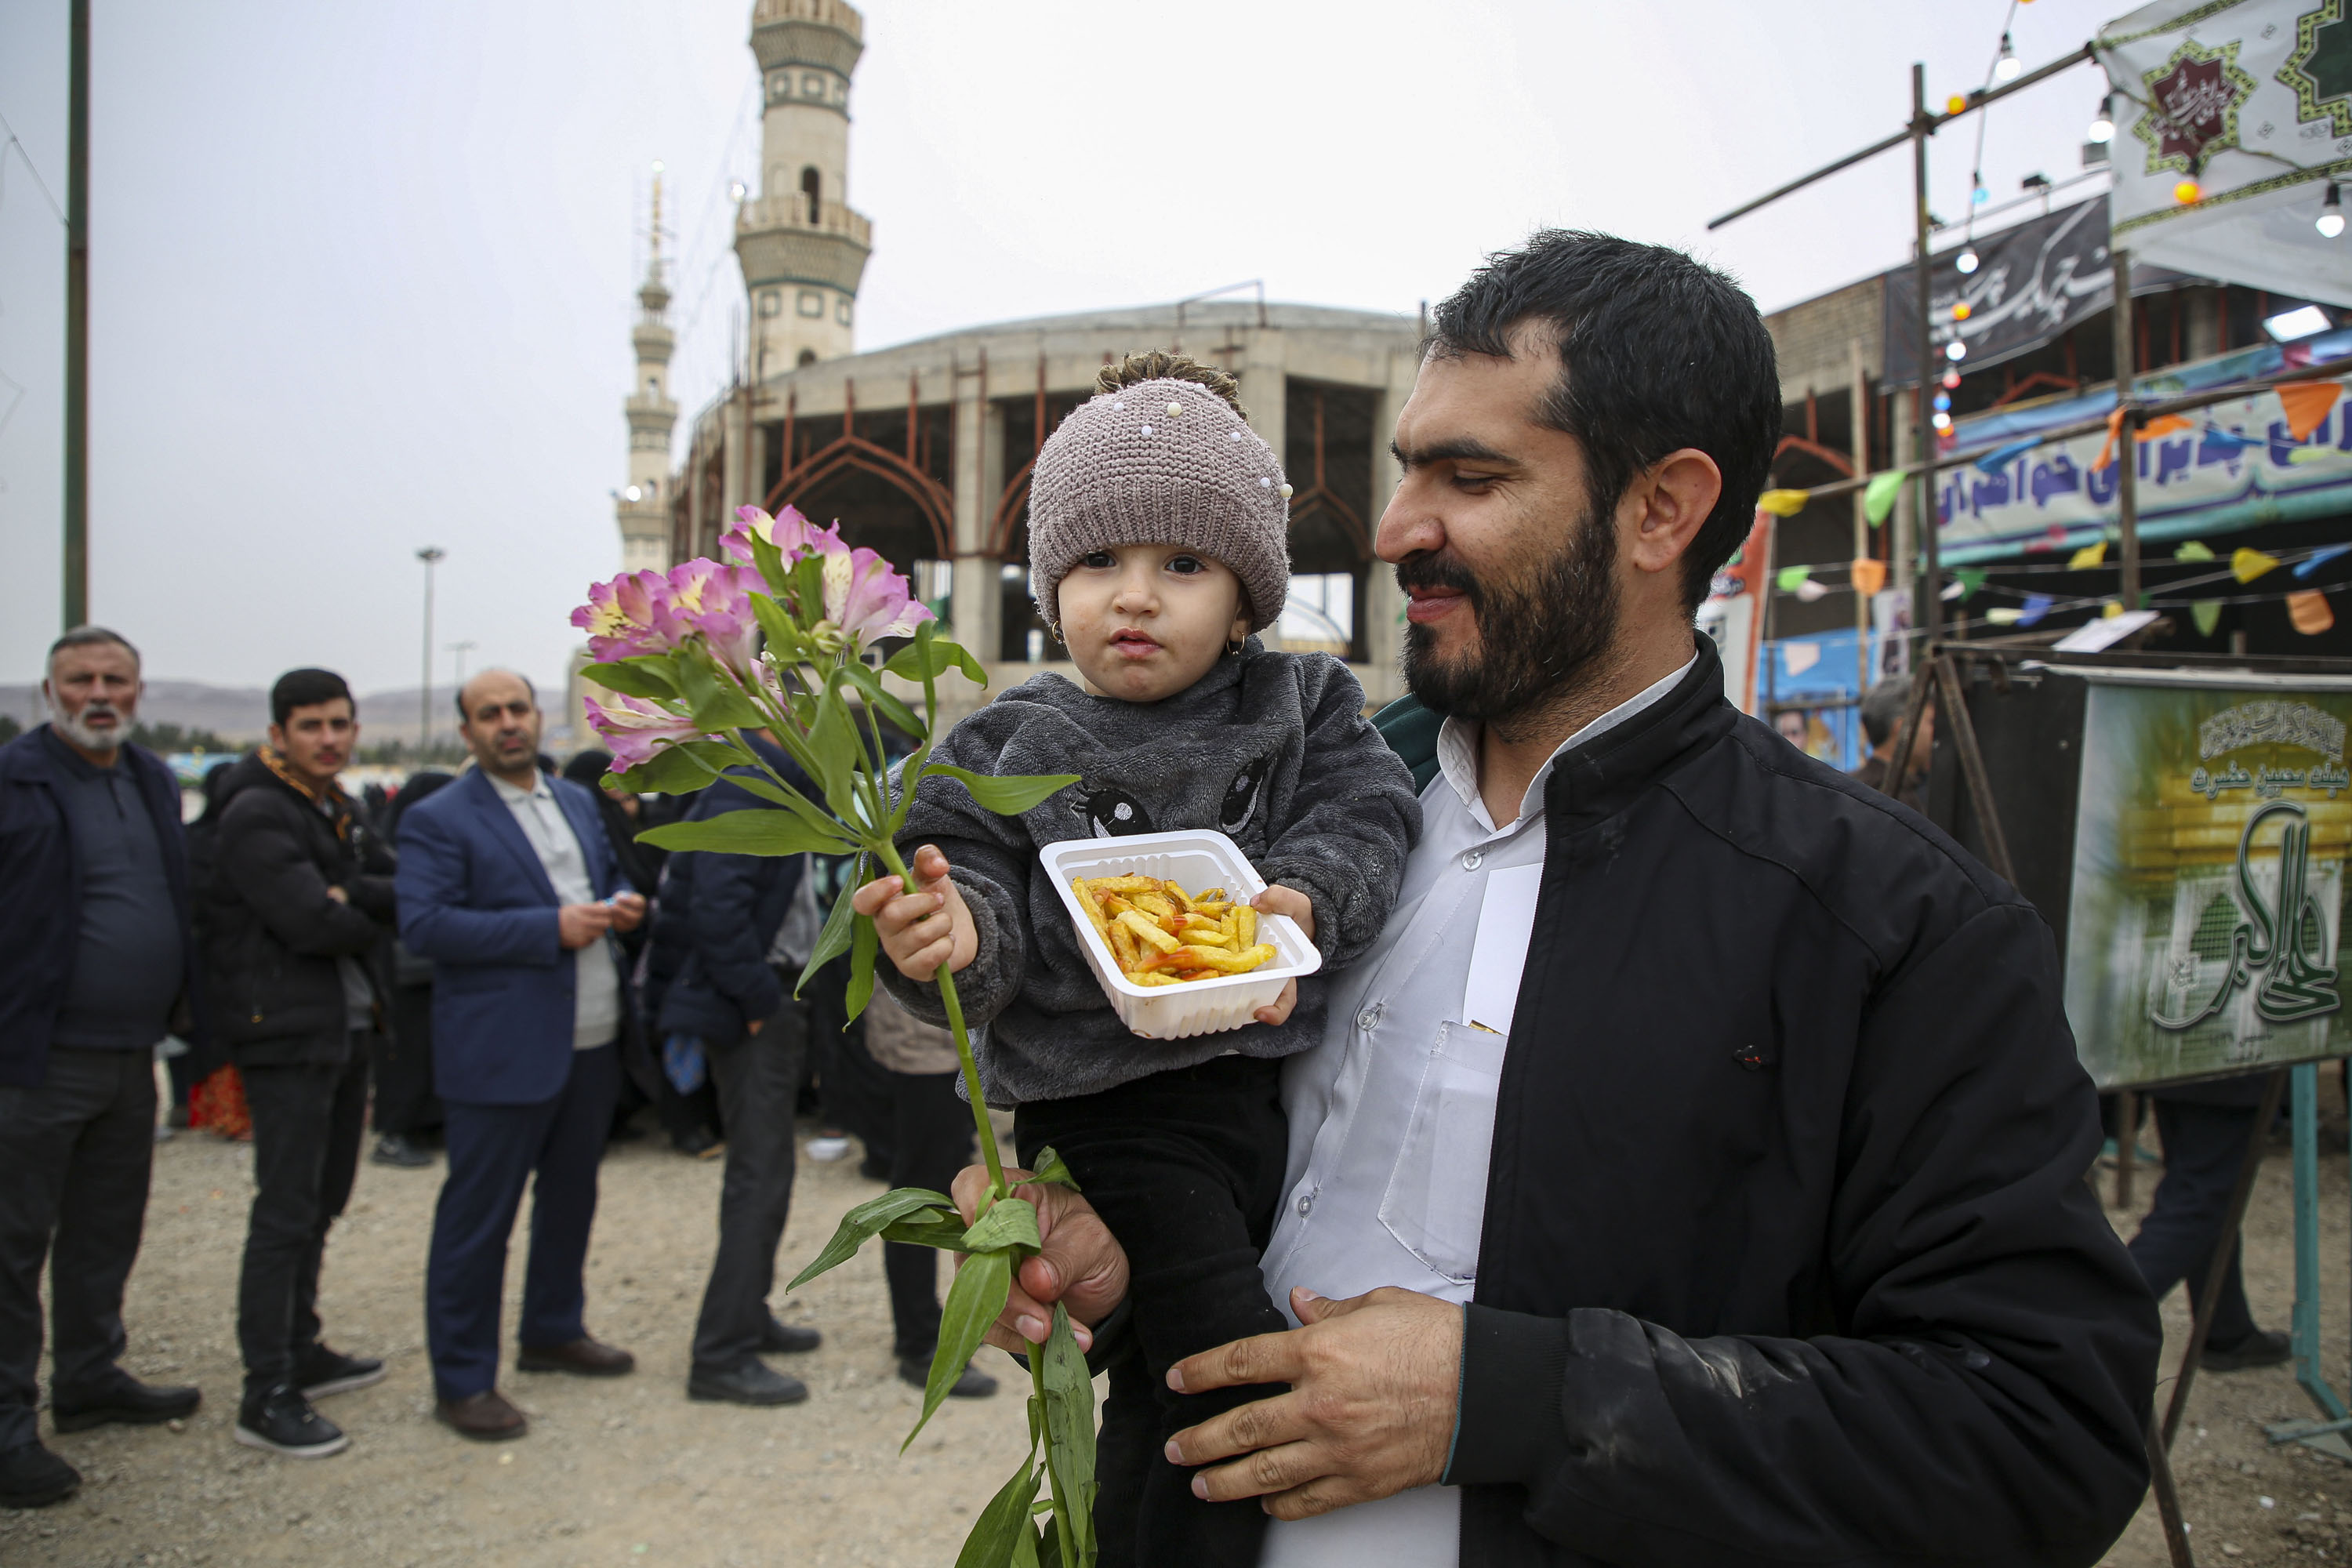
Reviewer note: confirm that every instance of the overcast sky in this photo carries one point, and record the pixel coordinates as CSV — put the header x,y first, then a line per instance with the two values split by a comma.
x,y
361,276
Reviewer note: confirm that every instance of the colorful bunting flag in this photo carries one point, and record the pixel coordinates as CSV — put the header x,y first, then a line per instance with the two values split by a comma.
x,y
2307,404
1878,497
1781,503
1789,579
2088,556
1992,462
1796,658
1869,575
2193,551
2320,558
2309,612
2206,614
1812,589
2036,605
2004,615
2248,564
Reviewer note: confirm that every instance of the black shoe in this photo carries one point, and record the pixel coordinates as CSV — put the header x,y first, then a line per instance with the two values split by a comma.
x,y
698,1142
320,1372
397,1148
783,1339
2264,1347
32,1477
752,1383
914,1371
281,1420
129,1402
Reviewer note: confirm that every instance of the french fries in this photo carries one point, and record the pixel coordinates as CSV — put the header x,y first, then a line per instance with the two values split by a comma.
x,y
1161,935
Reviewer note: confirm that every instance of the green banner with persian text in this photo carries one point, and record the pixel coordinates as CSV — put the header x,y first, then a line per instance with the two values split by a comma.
x,y
2205,918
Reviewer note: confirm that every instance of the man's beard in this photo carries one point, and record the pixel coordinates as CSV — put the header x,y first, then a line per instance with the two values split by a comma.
x,y
1538,629
76,727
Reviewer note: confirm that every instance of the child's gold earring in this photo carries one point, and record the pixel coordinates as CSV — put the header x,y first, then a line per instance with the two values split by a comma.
x,y
1234,646
1055,628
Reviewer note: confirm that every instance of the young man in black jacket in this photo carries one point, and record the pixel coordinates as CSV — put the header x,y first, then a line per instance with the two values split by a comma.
x,y
1691,1174
297,916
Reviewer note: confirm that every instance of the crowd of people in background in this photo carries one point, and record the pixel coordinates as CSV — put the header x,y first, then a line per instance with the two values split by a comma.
x,y
484,969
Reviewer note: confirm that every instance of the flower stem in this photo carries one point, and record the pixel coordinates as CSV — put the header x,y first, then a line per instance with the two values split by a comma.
x,y
887,852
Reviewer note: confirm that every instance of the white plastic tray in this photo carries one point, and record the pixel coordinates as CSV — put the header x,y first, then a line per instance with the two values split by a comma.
x,y
1197,860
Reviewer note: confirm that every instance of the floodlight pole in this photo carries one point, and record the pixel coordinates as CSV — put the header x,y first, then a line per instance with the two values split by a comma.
x,y
431,555
2127,430
77,443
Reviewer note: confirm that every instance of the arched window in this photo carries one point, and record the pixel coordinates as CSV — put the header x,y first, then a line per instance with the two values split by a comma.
x,y
813,188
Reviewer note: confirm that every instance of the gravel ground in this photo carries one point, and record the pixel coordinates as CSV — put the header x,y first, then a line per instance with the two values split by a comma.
x,y
626,1471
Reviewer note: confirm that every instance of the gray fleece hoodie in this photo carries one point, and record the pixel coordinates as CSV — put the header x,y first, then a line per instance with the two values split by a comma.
x,y
1270,749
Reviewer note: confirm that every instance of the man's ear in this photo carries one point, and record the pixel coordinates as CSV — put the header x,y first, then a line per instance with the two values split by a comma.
x,y
1670,502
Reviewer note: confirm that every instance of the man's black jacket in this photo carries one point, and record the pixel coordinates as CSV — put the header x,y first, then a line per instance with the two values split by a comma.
x,y
271,933
1788,1256
715,919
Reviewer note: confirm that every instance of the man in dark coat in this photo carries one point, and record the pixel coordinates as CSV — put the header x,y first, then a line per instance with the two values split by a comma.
x,y
298,912
728,1002
96,965
1692,1173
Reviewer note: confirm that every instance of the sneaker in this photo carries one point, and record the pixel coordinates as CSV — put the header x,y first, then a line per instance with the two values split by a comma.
x,y
696,1144
400,1152
32,1477
751,1382
2264,1347
281,1420
915,1372
827,1147
320,1372
129,1402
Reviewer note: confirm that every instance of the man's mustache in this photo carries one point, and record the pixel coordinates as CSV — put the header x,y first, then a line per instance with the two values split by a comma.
x,y
1435,569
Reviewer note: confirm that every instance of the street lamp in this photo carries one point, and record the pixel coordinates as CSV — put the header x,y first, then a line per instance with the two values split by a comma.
x,y
461,649
431,554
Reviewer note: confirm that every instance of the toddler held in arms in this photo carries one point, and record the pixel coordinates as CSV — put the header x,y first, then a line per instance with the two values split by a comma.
x,y
1157,546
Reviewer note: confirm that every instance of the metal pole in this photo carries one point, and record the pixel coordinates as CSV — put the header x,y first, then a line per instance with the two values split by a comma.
x,y
2127,433
1858,443
77,541
430,555
1927,612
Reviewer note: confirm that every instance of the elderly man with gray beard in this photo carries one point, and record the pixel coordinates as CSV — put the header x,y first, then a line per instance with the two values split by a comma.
x,y
96,965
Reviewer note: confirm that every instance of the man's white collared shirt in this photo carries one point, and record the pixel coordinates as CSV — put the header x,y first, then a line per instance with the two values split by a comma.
x,y
1393,1116
596,1010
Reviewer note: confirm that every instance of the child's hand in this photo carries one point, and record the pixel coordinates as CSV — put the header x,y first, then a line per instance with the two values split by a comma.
x,y
1288,901
924,928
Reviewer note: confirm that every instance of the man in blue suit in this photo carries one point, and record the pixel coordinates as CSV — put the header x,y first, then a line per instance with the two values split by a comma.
x,y
507,884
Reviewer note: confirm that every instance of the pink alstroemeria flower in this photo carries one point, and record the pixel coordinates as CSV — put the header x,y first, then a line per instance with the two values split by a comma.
x,y
867,600
634,729
628,616
716,601
790,533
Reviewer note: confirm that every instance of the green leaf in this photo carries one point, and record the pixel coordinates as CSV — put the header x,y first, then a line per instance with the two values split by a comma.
x,y
923,656
770,564
997,1533
834,750
867,1218
947,1235
716,703
979,1293
671,770
644,675
869,685
1010,1222
1050,1170
862,945
972,668
752,831
833,940
1007,796
784,638
1070,1432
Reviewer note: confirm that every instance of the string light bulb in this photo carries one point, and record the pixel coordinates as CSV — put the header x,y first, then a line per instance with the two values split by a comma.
x,y
1956,104
2331,211
737,190
1965,261
2187,192
1952,381
1960,312
1941,421
2103,123
1956,350
2007,68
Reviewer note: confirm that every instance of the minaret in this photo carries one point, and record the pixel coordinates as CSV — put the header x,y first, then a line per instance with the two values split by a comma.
x,y
643,508
802,248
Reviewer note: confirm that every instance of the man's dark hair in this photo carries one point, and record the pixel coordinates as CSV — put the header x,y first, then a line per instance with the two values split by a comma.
x,y
307,688
1657,351
86,637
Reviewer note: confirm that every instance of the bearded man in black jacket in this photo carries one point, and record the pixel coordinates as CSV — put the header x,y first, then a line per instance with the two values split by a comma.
x,y
298,915
1691,1174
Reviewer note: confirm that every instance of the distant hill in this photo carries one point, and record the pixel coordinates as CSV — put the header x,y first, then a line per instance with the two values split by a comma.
x,y
242,712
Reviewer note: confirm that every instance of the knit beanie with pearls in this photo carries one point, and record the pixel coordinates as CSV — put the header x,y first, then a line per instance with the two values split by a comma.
x,y
1160,462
